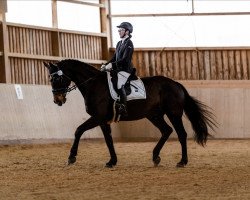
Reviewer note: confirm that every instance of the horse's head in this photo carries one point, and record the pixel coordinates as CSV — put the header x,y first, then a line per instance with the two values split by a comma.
x,y
59,81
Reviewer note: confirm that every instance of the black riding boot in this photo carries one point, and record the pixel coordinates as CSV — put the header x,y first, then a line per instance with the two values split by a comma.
x,y
123,102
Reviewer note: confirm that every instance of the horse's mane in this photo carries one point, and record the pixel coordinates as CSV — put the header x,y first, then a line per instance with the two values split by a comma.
x,y
75,63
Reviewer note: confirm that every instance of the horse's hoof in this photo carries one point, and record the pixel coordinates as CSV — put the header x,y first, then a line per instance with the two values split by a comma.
x,y
181,164
109,165
157,161
71,160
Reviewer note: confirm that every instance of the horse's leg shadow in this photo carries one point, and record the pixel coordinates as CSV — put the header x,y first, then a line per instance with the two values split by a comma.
x,y
109,142
166,130
89,124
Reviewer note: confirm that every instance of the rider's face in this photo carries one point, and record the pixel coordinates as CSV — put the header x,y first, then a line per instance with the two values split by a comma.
x,y
122,32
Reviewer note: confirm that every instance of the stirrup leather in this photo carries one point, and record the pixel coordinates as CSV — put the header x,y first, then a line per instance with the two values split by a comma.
x,y
122,108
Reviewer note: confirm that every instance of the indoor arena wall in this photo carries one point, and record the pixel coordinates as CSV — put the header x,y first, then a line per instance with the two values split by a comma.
x,y
36,117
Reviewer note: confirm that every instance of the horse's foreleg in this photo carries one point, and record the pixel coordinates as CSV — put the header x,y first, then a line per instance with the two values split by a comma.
x,y
109,141
89,124
166,130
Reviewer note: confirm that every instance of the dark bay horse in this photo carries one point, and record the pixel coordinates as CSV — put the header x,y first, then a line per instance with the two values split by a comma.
x,y
164,96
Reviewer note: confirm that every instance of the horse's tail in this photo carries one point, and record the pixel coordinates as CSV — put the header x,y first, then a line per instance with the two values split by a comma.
x,y
200,117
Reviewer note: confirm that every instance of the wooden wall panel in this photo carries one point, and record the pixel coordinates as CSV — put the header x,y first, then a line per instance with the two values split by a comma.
x,y
152,63
193,64
248,63
183,65
141,63
225,65
231,65
170,64
244,65
29,41
80,46
176,65
146,71
29,46
201,66
158,65
194,68
238,65
27,71
164,64
188,65
218,57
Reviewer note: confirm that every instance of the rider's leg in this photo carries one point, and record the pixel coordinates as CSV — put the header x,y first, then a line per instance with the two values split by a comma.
x,y
123,101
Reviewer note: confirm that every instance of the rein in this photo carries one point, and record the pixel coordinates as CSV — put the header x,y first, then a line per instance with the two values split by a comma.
x,y
69,89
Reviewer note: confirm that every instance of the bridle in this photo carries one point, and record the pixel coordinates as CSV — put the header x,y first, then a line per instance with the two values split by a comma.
x,y
65,90
59,77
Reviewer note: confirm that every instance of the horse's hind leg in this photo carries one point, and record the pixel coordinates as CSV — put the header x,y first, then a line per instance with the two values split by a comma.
x,y
109,141
166,130
182,136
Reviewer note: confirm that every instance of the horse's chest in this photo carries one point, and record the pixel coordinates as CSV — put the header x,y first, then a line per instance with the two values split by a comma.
x,y
96,98
90,105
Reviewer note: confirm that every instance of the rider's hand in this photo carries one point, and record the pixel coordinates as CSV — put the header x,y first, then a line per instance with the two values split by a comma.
x,y
103,68
108,67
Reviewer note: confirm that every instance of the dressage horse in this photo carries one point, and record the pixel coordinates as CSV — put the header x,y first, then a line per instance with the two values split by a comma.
x,y
164,97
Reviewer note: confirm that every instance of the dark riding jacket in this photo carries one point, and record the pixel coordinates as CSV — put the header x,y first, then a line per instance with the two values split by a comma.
x,y
122,59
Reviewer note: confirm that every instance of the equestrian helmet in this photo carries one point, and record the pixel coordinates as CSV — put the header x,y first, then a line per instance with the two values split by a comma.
x,y
126,26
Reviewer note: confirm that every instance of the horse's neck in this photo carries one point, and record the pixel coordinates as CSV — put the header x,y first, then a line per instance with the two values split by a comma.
x,y
83,72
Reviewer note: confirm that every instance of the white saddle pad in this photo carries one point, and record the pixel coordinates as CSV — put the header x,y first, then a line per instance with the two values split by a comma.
x,y
137,87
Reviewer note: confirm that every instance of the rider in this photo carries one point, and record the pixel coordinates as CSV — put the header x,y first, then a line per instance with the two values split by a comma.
x,y
122,60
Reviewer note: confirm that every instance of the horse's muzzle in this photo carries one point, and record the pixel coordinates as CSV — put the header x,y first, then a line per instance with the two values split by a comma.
x,y
59,99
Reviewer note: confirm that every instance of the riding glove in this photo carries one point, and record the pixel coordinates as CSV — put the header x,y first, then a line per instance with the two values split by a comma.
x,y
106,68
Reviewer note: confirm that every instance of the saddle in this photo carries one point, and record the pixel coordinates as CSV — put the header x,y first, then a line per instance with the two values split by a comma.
x,y
127,85
134,86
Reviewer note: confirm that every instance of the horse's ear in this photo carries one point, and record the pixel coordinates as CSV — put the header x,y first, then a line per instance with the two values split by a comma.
x,y
47,65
